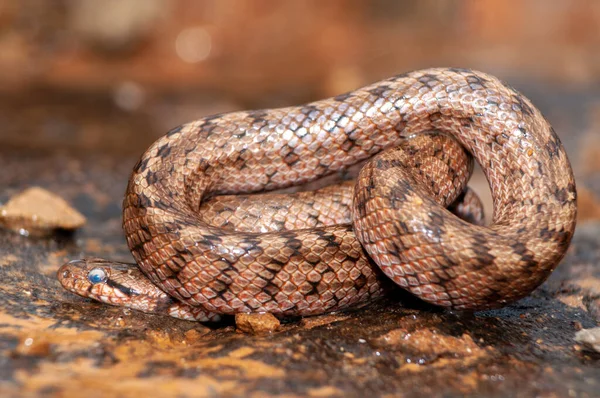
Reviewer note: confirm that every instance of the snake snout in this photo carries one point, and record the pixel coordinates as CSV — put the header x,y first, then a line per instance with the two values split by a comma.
x,y
64,274
69,271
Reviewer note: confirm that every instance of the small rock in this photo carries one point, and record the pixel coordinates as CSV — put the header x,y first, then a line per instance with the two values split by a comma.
x,y
37,212
256,323
589,339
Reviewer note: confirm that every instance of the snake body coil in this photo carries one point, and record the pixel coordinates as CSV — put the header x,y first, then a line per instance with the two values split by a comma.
x,y
398,207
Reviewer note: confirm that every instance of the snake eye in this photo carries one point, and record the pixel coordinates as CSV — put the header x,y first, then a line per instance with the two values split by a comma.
x,y
97,275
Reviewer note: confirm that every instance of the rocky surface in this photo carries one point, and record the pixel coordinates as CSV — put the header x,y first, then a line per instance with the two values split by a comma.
x,y
54,342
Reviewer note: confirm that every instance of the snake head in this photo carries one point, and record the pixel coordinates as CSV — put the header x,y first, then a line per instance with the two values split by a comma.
x,y
124,285
106,281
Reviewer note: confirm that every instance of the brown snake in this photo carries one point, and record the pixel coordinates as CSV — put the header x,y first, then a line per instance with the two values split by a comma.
x,y
398,207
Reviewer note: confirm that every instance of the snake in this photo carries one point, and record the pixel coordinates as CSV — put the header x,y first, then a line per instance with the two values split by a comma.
x,y
398,223
123,284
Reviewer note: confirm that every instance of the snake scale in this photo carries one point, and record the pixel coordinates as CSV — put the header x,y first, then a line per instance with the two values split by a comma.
x,y
197,268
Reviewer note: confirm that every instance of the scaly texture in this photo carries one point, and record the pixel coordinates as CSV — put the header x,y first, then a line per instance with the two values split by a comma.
x,y
405,230
438,161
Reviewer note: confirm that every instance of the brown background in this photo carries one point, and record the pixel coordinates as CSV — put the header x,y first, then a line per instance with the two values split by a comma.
x,y
113,75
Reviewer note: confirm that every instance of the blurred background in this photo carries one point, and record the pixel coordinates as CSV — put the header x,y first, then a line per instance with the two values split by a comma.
x,y
87,85
86,76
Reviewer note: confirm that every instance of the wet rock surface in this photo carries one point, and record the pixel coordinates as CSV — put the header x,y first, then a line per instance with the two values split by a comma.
x,y
53,342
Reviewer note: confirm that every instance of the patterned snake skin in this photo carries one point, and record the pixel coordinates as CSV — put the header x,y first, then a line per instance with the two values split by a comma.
x,y
438,160
399,203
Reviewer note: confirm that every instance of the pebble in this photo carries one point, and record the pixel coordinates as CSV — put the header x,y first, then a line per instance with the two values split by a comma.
x,y
257,323
589,339
37,212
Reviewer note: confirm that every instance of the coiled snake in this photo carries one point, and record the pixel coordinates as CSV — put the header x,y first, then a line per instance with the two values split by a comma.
x,y
305,258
